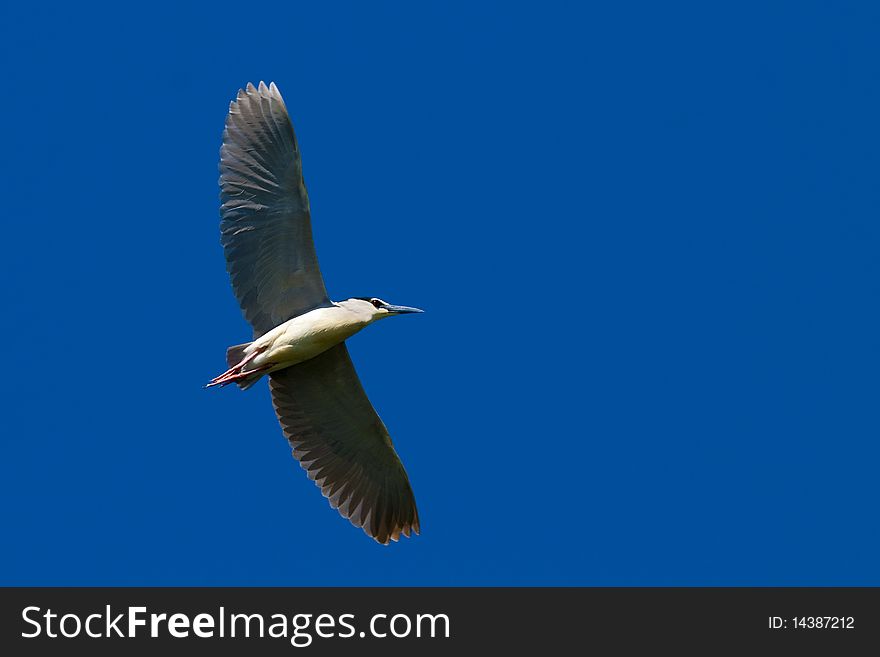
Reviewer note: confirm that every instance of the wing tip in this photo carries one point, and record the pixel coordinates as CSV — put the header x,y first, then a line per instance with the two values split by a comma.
x,y
359,514
391,528
259,89
385,538
250,90
243,109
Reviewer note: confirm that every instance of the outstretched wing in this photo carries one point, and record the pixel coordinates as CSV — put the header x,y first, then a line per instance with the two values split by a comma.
x,y
265,227
342,444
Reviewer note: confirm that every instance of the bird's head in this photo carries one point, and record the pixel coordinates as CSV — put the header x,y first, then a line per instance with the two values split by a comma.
x,y
376,308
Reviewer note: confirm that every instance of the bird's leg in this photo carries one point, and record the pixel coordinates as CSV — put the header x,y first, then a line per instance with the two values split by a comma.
x,y
229,375
225,379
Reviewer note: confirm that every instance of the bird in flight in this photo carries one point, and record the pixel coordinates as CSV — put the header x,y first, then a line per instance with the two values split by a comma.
x,y
299,333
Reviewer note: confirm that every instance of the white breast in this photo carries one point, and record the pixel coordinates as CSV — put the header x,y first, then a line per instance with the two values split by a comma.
x,y
306,336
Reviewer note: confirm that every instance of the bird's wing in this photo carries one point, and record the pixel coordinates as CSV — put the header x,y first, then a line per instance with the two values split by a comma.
x,y
265,227
342,444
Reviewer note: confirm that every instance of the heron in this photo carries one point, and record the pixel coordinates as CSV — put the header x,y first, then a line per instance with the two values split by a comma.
x,y
299,334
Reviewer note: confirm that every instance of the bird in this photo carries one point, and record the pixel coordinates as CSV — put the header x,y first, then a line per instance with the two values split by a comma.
x,y
299,334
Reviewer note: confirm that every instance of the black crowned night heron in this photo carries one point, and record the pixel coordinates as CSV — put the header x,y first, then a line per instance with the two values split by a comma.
x,y
299,334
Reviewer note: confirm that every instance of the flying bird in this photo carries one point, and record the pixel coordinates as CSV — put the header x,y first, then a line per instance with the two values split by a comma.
x,y
299,333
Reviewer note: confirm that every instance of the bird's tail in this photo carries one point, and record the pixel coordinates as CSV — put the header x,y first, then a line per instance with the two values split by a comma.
x,y
235,354
236,360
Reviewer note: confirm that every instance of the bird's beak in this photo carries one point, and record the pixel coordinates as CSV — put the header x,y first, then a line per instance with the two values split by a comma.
x,y
400,310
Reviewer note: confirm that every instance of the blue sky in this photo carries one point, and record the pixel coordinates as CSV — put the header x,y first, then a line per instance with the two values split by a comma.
x,y
645,236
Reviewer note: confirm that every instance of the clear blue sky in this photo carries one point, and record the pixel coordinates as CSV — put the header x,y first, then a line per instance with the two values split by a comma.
x,y
646,237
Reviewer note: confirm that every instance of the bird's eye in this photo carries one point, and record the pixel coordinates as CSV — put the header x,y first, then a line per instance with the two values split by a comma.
x,y
376,302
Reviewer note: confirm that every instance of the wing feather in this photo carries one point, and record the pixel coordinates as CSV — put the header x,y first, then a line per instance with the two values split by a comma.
x,y
342,444
265,224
